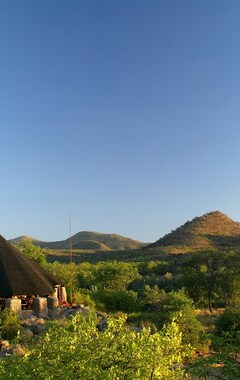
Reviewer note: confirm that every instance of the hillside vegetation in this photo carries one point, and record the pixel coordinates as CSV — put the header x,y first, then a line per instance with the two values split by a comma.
x,y
211,231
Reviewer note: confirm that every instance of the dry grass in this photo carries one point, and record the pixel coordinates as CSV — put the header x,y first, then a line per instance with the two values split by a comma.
x,y
207,319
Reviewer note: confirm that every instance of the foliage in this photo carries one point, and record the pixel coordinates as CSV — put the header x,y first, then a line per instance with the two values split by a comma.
x,y
229,321
202,276
229,286
152,297
85,275
84,297
114,275
153,267
34,252
9,324
224,362
78,350
111,275
116,300
66,273
177,304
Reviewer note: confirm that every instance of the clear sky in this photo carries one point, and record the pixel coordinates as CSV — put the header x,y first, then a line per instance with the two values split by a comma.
x,y
126,112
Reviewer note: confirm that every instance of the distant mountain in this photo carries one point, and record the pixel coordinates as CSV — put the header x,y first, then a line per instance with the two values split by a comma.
x,y
208,232
20,239
89,241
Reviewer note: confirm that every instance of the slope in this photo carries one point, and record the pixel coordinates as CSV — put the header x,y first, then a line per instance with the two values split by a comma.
x,y
20,239
90,239
211,231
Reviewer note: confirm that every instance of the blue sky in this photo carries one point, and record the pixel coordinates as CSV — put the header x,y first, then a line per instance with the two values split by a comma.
x,y
125,112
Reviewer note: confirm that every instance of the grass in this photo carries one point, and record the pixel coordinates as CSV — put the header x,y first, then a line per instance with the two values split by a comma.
x,y
207,319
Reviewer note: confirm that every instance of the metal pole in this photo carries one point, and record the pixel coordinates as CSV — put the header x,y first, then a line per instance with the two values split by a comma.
x,y
70,254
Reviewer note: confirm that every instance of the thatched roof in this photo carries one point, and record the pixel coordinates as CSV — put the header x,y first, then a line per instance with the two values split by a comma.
x,y
20,275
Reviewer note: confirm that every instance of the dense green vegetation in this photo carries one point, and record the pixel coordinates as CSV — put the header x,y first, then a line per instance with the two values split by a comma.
x,y
77,349
153,293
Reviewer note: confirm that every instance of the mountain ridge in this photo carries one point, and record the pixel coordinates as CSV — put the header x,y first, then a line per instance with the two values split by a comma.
x,y
88,240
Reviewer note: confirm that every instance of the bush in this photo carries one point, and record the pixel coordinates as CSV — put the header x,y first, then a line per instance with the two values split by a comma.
x,y
83,296
224,361
178,305
9,324
152,297
229,321
116,300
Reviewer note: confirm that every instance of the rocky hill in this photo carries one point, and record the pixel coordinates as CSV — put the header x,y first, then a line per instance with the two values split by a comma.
x,y
88,240
210,231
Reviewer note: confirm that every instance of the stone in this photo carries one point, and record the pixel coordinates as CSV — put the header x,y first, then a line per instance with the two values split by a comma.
x,y
52,302
62,294
26,334
4,344
40,308
39,329
14,304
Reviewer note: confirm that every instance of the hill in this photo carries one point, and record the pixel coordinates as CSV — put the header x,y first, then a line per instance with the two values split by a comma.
x,y
20,239
211,231
94,241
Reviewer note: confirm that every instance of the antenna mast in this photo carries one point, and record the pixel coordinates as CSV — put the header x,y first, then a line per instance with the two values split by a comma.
x,y
70,258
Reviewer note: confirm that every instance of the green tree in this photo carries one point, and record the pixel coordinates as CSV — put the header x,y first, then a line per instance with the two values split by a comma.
x,y
114,275
229,321
178,305
34,252
66,273
201,276
152,297
153,267
116,300
85,275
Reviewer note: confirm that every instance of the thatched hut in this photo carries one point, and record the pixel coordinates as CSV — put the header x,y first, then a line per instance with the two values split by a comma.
x,y
21,276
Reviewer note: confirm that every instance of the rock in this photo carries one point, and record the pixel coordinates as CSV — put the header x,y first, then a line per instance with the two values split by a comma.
x,y
35,325
26,334
39,329
4,344
102,325
67,313
33,321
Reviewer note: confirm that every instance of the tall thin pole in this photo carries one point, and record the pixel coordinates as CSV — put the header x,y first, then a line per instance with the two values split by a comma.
x,y
70,258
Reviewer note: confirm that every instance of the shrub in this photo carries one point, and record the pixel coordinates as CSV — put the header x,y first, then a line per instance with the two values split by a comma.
x,y
178,305
9,324
229,321
116,300
83,296
152,297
